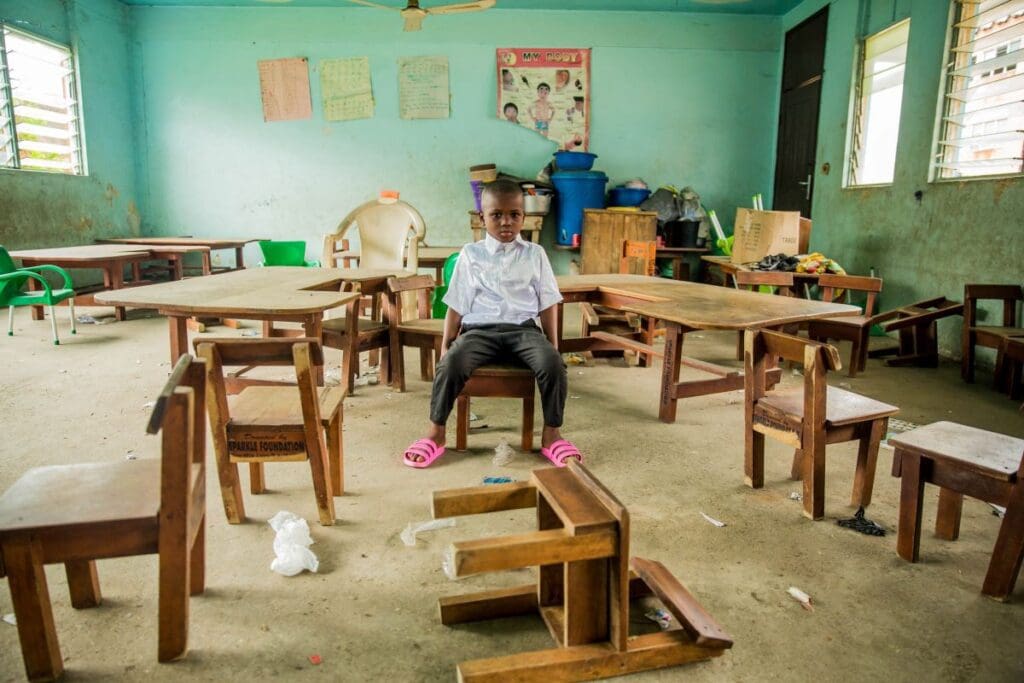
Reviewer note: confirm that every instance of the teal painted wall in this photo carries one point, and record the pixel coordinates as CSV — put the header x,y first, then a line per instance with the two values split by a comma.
x,y
678,98
53,209
960,231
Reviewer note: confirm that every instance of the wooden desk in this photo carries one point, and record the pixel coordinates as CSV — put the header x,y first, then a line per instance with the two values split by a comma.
x,y
676,255
282,293
236,244
728,268
684,307
110,258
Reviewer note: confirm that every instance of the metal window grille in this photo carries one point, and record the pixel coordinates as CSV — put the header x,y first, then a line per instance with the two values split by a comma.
x,y
981,132
39,115
877,102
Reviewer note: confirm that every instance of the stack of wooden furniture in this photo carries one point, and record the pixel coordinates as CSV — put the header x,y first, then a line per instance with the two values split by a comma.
x,y
583,588
917,324
532,225
989,336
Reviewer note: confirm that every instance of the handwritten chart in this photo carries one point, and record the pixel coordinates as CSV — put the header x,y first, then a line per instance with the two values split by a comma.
x,y
346,90
284,88
423,88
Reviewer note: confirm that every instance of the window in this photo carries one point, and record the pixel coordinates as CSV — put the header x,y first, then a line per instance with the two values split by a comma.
x,y
877,103
39,122
981,132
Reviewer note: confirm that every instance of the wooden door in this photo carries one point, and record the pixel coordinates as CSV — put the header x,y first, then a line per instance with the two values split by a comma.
x,y
802,70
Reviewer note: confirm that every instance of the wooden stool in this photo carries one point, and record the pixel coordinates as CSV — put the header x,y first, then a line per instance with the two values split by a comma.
x,y
962,461
504,381
583,587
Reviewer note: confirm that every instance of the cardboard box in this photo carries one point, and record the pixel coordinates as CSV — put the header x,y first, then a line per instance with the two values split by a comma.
x,y
760,233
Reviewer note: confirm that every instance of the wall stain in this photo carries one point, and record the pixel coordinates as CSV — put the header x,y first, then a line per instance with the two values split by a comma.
x,y
1001,186
111,194
133,218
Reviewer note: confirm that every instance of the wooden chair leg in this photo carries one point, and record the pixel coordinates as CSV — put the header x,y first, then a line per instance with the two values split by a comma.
x,y
739,345
814,478
908,531
230,487
197,561
967,358
257,480
175,586
999,372
336,455
83,583
796,470
349,368
527,436
867,461
753,459
855,347
318,468
23,563
461,422
947,520
865,343
1008,553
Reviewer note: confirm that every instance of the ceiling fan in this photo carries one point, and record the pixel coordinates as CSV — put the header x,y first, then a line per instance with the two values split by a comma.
x,y
414,15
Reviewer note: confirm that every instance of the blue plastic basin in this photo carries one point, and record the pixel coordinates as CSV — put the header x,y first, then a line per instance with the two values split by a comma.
x,y
627,196
574,161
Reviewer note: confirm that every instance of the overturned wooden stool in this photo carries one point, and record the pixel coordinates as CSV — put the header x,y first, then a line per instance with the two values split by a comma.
x,y
917,325
583,587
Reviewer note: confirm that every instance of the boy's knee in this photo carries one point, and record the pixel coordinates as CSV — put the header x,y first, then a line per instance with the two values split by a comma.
x,y
552,364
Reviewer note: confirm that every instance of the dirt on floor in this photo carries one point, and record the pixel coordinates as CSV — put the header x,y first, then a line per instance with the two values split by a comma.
x,y
370,613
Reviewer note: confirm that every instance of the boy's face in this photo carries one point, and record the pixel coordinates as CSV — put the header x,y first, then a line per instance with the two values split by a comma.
x,y
542,92
503,216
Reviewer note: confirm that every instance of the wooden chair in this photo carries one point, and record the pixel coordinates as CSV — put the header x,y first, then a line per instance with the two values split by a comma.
x,y
917,324
274,423
583,585
1013,357
504,381
962,461
753,280
422,331
638,257
808,418
852,328
353,334
990,336
77,514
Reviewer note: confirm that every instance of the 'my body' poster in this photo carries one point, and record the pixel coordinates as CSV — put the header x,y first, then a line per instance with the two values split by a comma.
x,y
548,91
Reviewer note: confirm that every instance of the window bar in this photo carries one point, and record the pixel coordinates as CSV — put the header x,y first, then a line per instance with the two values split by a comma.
x,y
5,83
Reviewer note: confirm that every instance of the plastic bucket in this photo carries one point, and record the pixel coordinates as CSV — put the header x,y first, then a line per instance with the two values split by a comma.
x,y
478,188
681,233
577,191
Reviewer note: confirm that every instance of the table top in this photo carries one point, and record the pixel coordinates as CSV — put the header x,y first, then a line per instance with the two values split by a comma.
x,y
728,266
278,290
83,254
681,250
703,307
219,243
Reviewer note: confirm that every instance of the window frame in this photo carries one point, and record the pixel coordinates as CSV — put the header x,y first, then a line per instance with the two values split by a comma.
x,y
855,117
74,88
942,109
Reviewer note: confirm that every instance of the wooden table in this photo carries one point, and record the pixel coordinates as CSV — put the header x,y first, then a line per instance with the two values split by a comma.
x,y
283,293
728,268
237,245
676,255
109,258
684,307
434,257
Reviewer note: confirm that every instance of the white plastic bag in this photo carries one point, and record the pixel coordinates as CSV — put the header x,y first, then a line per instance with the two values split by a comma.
x,y
408,534
291,545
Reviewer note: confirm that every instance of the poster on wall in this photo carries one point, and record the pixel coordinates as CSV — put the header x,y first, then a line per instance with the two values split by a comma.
x,y
345,88
284,89
423,88
548,91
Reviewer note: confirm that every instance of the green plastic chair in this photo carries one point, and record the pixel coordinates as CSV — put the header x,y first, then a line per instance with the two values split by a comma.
x,y
439,309
13,279
285,253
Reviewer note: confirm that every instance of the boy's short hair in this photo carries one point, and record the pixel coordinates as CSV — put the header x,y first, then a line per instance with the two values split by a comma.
x,y
543,85
510,104
503,187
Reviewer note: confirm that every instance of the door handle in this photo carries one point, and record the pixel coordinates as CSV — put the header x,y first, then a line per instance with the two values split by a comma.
x,y
806,184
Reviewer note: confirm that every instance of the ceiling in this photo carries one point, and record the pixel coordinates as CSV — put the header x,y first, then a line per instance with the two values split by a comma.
x,y
724,6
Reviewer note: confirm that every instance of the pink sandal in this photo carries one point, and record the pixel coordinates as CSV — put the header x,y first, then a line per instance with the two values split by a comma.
x,y
560,451
426,449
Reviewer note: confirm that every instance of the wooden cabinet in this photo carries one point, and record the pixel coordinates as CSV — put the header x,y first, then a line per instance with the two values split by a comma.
x,y
604,232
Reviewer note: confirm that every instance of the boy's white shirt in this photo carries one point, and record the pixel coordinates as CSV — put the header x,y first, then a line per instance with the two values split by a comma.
x,y
502,282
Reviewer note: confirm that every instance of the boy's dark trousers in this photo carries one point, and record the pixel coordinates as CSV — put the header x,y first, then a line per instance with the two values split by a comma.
x,y
497,344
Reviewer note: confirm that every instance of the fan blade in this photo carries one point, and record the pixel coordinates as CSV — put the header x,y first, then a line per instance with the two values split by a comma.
x,y
413,20
463,7
366,3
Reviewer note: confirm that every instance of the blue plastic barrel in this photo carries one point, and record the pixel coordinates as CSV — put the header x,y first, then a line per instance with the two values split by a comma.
x,y
577,190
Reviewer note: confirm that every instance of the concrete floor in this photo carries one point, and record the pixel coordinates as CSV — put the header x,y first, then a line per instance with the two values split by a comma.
x,y
370,613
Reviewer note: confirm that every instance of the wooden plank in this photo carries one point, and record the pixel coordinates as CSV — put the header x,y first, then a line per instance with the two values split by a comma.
x,y
30,598
491,604
586,614
480,499
588,662
986,453
626,343
605,231
529,550
578,509
692,616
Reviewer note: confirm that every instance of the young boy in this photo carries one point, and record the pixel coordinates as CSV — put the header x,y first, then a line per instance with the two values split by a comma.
x,y
500,286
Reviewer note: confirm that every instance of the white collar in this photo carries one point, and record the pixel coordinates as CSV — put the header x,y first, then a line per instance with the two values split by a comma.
x,y
493,246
